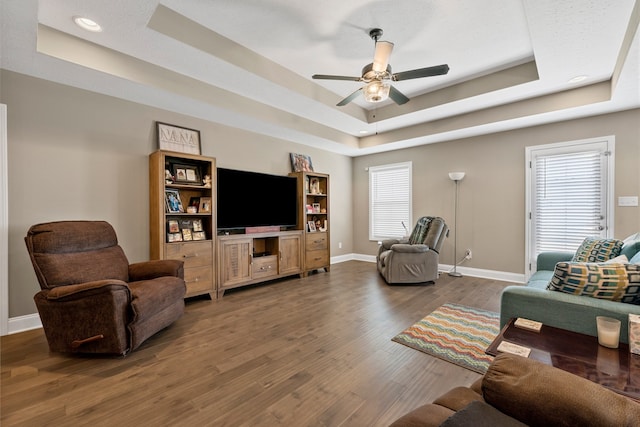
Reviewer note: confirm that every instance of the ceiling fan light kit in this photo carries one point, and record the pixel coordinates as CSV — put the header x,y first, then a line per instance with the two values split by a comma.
x,y
376,91
378,75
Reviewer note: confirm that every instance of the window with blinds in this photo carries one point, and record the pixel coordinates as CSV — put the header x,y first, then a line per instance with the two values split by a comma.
x,y
568,199
569,195
390,202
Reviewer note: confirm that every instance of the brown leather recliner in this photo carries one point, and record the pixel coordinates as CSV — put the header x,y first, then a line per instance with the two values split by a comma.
x,y
413,260
92,300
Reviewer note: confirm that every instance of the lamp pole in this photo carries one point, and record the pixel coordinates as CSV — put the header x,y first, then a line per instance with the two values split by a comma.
x,y
456,177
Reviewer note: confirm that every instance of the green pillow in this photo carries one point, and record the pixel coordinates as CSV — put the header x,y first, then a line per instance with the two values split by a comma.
x,y
598,250
610,281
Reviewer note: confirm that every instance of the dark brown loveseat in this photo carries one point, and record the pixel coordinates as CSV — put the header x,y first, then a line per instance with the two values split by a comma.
x,y
92,300
517,391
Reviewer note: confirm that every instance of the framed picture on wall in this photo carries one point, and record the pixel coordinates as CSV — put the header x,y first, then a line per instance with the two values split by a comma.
x,y
179,139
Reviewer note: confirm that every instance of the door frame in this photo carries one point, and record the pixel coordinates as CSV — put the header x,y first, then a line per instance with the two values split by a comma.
x,y
529,266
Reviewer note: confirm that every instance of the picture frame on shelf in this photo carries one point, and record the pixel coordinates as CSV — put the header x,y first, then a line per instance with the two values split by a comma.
x,y
199,235
301,163
311,225
174,237
314,186
186,174
316,207
205,205
178,139
172,201
197,225
186,234
173,226
195,202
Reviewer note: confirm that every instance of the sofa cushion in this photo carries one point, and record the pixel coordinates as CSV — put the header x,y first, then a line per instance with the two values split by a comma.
x,y
631,246
597,250
480,414
610,281
541,395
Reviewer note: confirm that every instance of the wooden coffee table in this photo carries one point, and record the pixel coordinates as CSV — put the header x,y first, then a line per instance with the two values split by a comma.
x,y
615,369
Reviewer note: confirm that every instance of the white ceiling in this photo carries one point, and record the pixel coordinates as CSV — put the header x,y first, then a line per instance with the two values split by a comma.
x,y
249,63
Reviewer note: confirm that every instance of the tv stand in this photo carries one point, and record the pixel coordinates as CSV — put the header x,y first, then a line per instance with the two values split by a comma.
x,y
246,259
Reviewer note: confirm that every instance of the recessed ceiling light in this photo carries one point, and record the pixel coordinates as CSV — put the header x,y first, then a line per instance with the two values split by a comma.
x,y
578,79
87,24
364,131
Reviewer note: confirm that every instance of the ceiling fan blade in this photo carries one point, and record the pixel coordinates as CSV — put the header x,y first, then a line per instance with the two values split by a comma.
x,y
329,77
397,96
349,98
437,70
381,56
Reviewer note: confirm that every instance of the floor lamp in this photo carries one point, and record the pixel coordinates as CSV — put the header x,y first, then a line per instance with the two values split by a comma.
x,y
457,177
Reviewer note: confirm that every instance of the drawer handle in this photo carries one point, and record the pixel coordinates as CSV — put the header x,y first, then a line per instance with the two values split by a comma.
x,y
197,279
190,255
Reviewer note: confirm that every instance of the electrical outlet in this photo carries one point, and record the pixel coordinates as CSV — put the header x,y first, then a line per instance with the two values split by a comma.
x,y
468,254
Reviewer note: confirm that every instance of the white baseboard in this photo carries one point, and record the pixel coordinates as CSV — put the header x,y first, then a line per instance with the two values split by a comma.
x,y
465,271
24,323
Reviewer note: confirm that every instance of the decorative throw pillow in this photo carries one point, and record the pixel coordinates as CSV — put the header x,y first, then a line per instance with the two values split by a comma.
x,y
420,230
597,250
615,282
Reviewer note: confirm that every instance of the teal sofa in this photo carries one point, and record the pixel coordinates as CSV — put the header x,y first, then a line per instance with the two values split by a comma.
x,y
571,312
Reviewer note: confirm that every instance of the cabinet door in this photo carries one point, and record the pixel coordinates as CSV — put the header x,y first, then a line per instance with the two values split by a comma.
x,y
290,249
235,261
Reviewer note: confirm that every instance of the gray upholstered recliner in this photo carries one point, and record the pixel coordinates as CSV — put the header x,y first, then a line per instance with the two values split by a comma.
x,y
414,260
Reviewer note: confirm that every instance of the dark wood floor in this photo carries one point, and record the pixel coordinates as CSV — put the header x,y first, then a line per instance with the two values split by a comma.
x,y
299,352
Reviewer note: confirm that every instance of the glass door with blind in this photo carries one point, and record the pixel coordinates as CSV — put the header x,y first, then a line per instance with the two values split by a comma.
x,y
569,195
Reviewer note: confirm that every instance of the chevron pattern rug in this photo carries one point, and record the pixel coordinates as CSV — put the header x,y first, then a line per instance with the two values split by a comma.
x,y
455,333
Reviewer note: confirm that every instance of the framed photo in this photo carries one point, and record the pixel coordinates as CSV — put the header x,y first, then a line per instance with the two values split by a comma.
x,y
173,202
185,174
195,202
301,163
185,223
315,186
197,225
174,237
316,208
186,234
199,235
179,139
173,226
311,225
205,205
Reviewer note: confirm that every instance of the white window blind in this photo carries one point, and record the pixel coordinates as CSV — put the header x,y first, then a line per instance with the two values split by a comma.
x,y
568,201
389,201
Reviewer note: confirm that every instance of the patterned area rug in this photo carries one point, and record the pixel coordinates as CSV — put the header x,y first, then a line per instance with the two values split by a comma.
x,y
455,333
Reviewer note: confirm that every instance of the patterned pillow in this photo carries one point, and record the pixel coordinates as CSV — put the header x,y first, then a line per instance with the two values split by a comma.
x,y
597,250
615,282
420,230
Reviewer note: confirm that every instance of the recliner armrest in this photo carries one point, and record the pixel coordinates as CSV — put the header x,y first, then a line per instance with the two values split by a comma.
x,y
148,270
407,248
81,289
386,244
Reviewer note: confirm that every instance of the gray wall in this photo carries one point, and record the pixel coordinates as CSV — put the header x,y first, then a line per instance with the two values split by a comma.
x,y
75,154
491,216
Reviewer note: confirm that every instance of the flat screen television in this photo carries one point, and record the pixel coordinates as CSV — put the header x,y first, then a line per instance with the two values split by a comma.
x,y
253,199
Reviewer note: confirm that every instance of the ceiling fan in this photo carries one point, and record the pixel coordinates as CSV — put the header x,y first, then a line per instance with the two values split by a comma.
x,y
378,75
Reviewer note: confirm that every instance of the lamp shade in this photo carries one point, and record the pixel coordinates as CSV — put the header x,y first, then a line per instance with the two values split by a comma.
x,y
456,176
